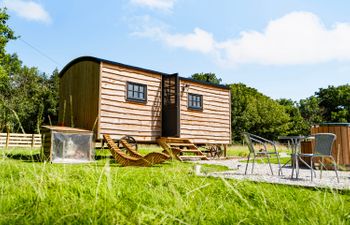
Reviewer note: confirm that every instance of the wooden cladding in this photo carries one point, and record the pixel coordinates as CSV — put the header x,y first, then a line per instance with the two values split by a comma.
x,y
211,124
79,95
119,116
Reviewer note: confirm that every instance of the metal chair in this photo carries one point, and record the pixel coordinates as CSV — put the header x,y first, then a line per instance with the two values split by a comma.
x,y
323,149
251,141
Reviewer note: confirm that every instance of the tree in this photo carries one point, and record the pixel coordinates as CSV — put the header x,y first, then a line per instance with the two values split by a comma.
x,y
6,33
28,100
207,77
335,103
9,64
27,96
256,113
310,110
296,124
51,97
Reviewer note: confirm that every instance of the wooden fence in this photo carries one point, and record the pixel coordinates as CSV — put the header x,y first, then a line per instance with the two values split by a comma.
x,y
11,140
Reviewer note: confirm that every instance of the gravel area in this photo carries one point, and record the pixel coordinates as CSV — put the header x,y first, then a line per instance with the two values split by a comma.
x,y
262,173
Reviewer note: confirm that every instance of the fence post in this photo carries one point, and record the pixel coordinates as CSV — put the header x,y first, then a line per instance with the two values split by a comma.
x,y
7,139
32,144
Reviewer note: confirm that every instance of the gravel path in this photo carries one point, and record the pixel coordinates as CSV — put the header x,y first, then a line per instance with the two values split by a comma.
x,y
262,173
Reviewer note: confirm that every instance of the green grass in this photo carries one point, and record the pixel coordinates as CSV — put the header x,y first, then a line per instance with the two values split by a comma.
x,y
242,150
20,151
237,150
273,160
104,193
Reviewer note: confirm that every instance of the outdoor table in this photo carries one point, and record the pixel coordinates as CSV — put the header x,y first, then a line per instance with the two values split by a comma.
x,y
295,146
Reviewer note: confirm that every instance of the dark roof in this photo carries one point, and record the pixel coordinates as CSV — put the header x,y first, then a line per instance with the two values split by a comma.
x,y
334,124
99,60
205,83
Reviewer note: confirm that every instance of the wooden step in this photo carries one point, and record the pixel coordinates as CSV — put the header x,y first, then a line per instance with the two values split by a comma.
x,y
192,157
181,144
174,147
175,140
191,150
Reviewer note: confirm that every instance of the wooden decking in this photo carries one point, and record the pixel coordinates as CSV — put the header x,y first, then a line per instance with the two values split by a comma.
x,y
181,148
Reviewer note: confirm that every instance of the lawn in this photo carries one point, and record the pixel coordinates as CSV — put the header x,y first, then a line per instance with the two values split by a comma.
x,y
104,193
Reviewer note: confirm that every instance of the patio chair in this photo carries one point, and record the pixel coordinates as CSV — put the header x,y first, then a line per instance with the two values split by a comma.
x,y
323,149
251,141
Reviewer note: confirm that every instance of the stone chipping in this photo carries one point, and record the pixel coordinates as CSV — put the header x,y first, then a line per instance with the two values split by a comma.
x,y
262,173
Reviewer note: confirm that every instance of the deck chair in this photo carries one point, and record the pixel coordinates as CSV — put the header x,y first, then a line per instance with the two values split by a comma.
x,y
251,141
121,157
153,157
323,149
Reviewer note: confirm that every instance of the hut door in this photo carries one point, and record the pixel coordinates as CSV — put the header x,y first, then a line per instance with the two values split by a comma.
x,y
170,106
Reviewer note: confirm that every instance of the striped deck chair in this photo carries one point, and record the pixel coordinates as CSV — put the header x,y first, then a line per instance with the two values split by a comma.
x,y
122,158
153,157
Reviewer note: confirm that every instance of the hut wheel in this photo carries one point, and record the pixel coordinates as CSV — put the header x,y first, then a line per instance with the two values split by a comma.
x,y
130,140
215,150
219,151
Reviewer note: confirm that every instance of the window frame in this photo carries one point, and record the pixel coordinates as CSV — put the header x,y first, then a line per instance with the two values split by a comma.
x,y
133,99
190,104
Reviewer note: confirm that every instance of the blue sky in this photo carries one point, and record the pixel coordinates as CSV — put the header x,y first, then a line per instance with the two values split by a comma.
x,y
285,49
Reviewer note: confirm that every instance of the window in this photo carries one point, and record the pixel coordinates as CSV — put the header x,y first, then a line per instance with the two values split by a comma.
x,y
195,101
136,92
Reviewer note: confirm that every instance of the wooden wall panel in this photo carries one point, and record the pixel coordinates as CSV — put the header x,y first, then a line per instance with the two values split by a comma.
x,y
79,88
121,117
213,123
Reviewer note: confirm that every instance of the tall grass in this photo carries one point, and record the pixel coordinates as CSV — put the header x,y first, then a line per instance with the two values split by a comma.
x,y
104,193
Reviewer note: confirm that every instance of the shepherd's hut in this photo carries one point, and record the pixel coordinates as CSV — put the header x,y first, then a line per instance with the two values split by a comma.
x,y
118,99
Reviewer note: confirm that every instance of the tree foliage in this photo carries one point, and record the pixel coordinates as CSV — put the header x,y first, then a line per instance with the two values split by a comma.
x,y
30,98
256,113
334,103
310,110
207,77
296,124
27,96
6,33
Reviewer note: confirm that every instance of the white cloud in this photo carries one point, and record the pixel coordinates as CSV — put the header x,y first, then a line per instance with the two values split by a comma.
x,y
28,9
199,40
296,38
164,5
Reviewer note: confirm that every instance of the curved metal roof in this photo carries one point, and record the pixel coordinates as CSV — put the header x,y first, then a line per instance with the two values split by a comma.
x,y
99,60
